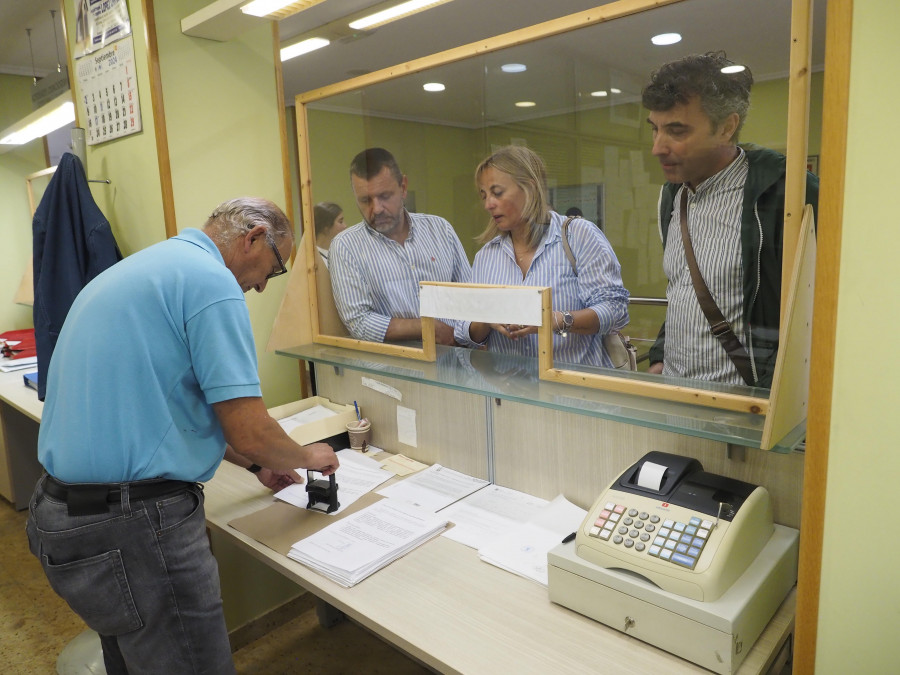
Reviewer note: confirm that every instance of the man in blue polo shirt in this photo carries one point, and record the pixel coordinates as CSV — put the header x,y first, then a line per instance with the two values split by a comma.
x,y
153,381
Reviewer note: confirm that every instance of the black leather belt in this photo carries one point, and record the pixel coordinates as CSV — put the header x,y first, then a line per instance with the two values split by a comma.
x,y
86,499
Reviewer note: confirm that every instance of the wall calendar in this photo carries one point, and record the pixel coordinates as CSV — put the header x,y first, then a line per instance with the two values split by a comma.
x,y
108,84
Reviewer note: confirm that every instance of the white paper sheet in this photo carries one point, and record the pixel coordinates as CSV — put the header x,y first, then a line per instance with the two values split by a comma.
x,y
434,488
496,305
10,365
317,412
356,476
406,427
523,550
489,514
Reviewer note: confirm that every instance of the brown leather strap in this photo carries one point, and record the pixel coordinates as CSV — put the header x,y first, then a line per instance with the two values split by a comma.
x,y
565,243
718,325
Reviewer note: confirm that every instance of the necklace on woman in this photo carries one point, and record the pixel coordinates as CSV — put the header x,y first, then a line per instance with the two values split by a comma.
x,y
521,255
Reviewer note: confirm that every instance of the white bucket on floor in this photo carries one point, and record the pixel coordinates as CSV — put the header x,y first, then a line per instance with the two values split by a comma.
x,y
82,656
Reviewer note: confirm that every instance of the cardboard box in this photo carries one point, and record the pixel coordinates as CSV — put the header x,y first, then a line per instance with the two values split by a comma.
x,y
319,429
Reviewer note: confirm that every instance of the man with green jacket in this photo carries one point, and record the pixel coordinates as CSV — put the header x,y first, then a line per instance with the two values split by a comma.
x,y
731,198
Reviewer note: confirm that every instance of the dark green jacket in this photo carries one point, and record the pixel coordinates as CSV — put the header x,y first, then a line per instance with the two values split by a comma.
x,y
762,230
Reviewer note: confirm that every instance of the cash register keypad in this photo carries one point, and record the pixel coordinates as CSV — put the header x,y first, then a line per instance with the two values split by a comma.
x,y
678,542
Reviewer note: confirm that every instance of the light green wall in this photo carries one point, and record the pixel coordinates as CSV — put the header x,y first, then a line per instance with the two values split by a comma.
x,y
132,201
15,215
766,123
224,142
860,592
223,139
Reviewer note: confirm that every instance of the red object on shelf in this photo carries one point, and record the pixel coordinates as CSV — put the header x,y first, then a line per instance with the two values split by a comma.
x,y
26,345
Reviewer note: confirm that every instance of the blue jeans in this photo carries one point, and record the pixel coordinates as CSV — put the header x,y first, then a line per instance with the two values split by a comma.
x,y
142,576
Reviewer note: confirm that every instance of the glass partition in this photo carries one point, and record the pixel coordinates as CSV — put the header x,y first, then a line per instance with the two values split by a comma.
x,y
576,103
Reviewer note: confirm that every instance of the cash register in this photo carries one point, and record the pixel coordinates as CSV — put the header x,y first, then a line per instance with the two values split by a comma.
x,y
683,559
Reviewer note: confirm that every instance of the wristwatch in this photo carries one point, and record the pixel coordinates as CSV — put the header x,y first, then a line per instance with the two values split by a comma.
x,y
568,320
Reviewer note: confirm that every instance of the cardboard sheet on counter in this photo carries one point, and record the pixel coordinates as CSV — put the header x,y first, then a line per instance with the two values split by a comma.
x,y
281,525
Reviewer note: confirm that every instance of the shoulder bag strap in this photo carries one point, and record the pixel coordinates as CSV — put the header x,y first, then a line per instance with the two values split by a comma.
x,y
619,348
565,243
720,328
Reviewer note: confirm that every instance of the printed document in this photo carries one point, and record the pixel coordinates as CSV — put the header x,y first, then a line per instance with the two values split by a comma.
x,y
523,549
351,549
434,488
488,514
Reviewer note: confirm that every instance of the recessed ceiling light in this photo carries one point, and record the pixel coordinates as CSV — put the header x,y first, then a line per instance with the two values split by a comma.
x,y
513,67
525,104
303,47
599,93
737,68
613,90
666,39
433,86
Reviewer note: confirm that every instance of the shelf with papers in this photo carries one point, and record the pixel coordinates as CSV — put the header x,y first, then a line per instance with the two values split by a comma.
x,y
515,378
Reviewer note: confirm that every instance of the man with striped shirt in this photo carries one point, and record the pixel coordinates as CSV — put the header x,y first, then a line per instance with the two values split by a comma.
x,y
376,265
733,200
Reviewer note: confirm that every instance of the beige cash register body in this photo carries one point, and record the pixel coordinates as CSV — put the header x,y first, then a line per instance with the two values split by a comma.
x,y
683,559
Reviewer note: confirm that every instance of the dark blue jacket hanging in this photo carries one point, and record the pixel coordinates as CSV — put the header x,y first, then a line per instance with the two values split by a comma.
x,y
73,243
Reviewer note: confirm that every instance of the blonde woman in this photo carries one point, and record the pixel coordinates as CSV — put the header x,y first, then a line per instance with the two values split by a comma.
x,y
523,246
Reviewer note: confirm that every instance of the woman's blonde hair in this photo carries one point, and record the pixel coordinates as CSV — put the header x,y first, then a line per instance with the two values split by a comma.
x,y
526,169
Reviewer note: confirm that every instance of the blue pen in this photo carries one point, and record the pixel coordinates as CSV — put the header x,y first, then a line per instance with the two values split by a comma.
x,y
357,411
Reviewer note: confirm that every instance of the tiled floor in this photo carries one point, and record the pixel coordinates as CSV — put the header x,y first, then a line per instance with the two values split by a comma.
x,y
35,625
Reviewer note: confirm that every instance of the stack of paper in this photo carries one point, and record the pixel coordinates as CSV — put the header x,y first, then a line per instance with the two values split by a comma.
x,y
523,549
8,364
353,548
356,476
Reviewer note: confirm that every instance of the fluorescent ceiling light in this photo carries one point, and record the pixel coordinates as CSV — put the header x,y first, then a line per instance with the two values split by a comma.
x,y
433,86
599,93
525,104
665,39
513,67
736,68
393,13
304,47
613,90
277,9
49,117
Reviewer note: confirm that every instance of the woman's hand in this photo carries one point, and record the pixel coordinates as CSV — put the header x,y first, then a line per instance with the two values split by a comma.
x,y
514,331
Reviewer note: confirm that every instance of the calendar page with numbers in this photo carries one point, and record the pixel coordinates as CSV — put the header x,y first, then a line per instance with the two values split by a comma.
x,y
109,91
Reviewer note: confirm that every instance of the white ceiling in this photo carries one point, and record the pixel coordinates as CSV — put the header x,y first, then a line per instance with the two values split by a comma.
x,y
751,31
15,56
